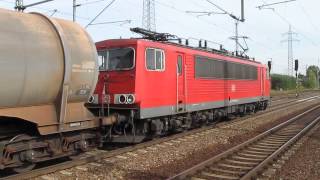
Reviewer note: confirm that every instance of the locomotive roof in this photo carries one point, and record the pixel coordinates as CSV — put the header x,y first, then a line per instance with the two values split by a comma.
x,y
132,41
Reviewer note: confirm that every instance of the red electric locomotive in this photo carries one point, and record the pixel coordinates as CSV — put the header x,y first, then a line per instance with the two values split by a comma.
x,y
153,87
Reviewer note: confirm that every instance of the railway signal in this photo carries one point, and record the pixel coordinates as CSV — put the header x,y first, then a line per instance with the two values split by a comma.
x,y
269,66
296,67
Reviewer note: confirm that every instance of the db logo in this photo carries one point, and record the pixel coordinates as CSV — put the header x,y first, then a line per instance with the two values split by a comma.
x,y
233,88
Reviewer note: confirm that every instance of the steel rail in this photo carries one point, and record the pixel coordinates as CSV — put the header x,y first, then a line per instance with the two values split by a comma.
x,y
254,172
256,169
290,101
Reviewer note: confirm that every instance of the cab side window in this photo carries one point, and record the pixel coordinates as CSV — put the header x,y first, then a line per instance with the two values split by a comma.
x,y
102,61
179,68
155,59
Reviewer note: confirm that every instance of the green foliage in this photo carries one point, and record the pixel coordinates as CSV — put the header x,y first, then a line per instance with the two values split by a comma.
x,y
283,82
313,68
311,81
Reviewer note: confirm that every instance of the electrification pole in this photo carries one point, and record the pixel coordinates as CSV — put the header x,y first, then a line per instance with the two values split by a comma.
x,y
290,41
236,38
290,52
318,74
75,5
74,10
237,20
149,15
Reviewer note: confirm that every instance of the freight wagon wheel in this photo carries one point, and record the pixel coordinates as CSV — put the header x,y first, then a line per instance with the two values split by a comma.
x,y
22,156
24,168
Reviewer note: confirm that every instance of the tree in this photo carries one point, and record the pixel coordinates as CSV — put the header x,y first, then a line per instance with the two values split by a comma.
x,y
312,80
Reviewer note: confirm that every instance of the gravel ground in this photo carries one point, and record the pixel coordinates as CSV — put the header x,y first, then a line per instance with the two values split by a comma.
x,y
308,158
167,159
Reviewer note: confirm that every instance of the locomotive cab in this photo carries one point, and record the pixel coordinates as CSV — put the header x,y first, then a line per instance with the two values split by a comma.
x,y
115,94
117,72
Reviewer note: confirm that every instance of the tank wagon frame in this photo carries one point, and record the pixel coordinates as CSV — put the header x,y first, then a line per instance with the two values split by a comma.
x,y
48,69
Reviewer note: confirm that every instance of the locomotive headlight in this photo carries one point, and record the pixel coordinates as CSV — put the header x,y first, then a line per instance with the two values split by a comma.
x,y
122,99
130,99
91,99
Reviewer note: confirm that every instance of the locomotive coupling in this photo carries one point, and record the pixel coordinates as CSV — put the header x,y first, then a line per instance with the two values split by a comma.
x,y
112,119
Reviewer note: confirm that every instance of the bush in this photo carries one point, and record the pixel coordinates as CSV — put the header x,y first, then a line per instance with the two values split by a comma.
x,y
283,82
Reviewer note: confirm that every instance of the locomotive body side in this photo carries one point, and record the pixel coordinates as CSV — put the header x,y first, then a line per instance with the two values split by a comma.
x,y
167,92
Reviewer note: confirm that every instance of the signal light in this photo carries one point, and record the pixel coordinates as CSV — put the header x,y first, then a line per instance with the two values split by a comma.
x,y
296,65
269,65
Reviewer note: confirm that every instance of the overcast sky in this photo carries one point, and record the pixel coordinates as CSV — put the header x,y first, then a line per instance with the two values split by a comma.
x,y
265,28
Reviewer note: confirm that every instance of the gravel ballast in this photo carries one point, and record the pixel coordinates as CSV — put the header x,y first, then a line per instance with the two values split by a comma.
x,y
305,163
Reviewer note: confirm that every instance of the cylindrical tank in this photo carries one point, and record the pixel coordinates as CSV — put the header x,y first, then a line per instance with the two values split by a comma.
x,y
39,55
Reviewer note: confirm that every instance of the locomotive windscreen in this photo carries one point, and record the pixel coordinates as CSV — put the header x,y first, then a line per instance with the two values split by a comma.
x,y
116,59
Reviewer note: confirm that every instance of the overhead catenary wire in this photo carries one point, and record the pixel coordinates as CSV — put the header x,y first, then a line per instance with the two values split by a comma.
x,y
293,26
163,3
220,28
308,16
91,2
54,12
226,12
112,22
105,8
237,20
301,33
49,10
262,45
276,3
164,19
184,12
204,13
169,20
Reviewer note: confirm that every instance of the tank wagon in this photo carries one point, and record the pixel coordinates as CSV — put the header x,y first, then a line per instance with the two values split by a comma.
x,y
155,87
48,69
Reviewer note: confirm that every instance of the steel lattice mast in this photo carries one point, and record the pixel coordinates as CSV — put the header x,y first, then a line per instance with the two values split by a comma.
x,y
290,39
149,15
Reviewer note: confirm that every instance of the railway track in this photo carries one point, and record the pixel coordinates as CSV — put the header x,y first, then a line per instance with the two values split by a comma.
x,y
249,159
96,155
291,102
280,97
